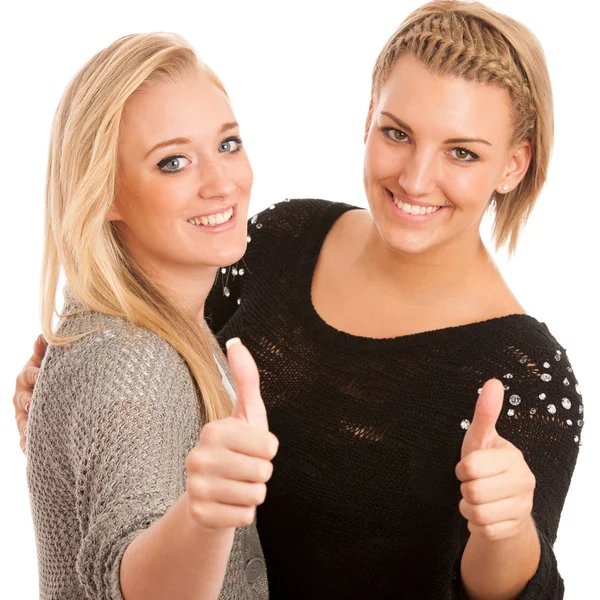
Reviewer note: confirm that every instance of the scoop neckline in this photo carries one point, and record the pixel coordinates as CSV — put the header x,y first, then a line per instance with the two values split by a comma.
x,y
322,331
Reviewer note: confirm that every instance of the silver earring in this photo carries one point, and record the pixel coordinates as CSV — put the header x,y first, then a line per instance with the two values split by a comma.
x,y
505,188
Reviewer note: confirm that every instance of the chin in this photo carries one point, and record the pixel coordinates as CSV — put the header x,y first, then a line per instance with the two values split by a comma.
x,y
406,243
228,256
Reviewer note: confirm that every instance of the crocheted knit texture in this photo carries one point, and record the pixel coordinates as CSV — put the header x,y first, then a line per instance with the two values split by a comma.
x,y
363,502
113,418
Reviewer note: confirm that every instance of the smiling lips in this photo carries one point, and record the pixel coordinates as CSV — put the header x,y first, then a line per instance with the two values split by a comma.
x,y
213,220
415,210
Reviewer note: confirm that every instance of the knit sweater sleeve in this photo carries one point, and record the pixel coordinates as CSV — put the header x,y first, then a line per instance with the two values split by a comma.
x,y
131,421
543,417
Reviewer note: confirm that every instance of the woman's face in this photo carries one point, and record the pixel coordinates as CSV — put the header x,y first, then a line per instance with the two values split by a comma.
x,y
184,177
437,148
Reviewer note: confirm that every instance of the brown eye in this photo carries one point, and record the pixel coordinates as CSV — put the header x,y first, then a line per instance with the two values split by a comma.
x,y
397,135
463,155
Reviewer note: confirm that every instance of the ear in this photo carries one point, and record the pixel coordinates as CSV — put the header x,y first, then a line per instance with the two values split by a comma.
x,y
113,213
516,168
369,120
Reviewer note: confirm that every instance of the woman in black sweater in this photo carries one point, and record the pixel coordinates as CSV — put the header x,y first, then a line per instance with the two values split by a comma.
x,y
398,475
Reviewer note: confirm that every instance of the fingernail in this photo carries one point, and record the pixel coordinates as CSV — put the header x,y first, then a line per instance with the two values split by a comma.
x,y
27,406
232,342
35,377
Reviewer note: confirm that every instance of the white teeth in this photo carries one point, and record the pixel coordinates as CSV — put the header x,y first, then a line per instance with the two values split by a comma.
x,y
415,210
212,220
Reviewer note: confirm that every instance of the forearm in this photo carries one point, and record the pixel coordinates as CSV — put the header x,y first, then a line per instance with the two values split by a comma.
x,y
500,570
176,558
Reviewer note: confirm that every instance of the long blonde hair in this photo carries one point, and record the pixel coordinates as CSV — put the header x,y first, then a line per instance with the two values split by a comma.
x,y
80,190
473,42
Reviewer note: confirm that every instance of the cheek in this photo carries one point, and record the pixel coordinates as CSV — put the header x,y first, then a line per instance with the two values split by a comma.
x,y
468,186
382,161
243,176
158,201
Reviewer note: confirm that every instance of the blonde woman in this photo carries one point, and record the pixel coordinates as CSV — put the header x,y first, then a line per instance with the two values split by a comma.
x,y
148,190
401,472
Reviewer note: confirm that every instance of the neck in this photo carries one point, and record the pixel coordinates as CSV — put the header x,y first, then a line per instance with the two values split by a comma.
x,y
188,286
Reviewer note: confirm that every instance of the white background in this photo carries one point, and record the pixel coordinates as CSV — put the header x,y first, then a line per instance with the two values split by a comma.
x,y
298,74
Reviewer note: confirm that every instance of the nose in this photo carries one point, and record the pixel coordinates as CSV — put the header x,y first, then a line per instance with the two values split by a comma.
x,y
215,180
418,177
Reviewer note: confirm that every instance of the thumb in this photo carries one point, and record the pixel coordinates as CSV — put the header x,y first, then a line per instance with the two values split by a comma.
x,y
249,406
482,430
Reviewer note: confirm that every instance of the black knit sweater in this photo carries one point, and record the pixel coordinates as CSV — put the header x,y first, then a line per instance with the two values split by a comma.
x,y
363,502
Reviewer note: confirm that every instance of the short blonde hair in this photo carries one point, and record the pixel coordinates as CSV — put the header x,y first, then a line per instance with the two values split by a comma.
x,y
473,42
80,190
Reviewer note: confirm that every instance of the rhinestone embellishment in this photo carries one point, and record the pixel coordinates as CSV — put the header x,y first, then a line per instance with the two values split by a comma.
x,y
566,403
465,424
546,365
533,410
546,377
515,400
542,396
566,381
551,409
510,412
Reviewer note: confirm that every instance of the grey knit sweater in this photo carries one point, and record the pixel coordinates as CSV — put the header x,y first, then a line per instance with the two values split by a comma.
x,y
113,418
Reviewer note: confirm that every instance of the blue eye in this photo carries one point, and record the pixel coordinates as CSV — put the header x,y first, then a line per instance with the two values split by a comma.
x,y
231,145
173,164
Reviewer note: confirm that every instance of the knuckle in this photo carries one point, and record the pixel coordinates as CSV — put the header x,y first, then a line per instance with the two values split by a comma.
x,y
491,532
272,445
471,492
470,465
246,517
210,433
260,494
265,471
480,515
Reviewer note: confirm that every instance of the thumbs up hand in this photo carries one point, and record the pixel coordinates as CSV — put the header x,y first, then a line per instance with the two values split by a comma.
x,y
497,485
229,467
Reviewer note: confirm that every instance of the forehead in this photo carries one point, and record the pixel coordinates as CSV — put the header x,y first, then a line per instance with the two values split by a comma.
x,y
446,104
190,105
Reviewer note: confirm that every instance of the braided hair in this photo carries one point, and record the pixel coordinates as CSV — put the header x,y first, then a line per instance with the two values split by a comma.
x,y
470,41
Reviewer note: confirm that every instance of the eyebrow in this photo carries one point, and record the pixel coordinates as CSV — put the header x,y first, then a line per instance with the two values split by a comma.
x,y
461,140
178,141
